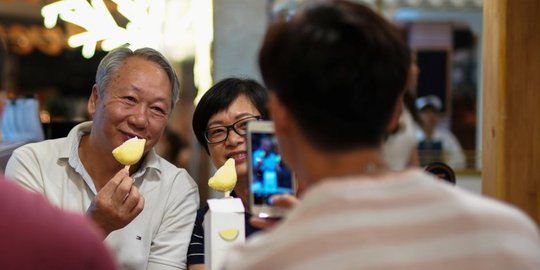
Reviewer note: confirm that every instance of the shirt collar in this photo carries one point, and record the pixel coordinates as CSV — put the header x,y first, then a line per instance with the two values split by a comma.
x,y
74,138
71,152
150,162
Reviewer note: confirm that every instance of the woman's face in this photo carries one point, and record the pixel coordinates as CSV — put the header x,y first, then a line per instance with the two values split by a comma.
x,y
235,145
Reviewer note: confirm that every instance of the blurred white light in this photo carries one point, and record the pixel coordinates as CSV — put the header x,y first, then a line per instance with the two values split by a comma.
x,y
204,34
180,29
143,29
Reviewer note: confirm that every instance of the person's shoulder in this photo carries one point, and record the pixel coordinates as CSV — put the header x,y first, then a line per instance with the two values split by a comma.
x,y
42,148
167,165
476,208
182,177
443,133
171,173
488,207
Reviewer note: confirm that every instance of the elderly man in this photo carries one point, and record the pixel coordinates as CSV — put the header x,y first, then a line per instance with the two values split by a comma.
x,y
146,213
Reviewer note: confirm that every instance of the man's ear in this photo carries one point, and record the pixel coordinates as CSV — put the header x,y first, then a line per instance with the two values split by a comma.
x,y
92,100
394,119
279,114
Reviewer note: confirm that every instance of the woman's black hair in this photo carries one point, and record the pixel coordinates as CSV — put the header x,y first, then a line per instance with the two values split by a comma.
x,y
220,96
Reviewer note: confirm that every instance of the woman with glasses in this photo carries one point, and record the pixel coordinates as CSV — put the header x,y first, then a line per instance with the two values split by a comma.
x,y
220,125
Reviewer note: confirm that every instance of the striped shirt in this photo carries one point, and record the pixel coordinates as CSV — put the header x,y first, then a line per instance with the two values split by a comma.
x,y
406,220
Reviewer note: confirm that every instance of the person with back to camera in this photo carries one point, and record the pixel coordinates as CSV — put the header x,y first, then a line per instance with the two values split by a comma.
x,y
330,67
146,213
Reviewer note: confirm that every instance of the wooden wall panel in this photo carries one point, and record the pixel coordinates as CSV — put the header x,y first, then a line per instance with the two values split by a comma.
x,y
511,108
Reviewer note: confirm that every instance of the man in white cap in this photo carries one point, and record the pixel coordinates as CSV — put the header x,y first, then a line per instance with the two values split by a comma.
x,y
436,143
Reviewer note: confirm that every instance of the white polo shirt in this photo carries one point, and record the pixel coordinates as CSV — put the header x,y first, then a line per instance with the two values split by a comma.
x,y
157,238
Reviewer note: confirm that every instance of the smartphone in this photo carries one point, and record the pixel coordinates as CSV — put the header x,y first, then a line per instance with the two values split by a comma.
x,y
268,175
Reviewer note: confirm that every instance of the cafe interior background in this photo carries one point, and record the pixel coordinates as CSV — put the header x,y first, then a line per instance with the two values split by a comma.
x,y
50,51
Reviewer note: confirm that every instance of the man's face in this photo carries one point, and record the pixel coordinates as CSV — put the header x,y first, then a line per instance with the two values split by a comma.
x,y
430,117
136,102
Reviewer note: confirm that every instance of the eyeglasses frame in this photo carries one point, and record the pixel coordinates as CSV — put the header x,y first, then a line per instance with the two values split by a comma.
x,y
229,127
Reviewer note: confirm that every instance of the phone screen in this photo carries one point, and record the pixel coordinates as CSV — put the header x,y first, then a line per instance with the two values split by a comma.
x,y
269,175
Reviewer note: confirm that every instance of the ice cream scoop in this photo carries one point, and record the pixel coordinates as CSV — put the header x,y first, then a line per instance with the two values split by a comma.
x,y
224,179
130,152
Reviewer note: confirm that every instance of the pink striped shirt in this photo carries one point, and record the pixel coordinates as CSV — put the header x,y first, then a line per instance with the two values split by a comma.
x,y
407,220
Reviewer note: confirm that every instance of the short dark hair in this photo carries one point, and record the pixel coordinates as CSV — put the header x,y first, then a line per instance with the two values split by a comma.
x,y
220,96
339,68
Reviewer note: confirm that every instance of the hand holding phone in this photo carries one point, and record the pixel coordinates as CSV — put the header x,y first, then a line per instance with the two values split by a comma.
x,y
268,175
286,201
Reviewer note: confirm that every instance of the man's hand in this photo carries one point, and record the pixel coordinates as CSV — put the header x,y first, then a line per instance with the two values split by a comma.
x,y
116,204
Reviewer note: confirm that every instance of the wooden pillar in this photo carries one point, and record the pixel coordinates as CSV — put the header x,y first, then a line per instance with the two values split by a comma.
x,y
511,103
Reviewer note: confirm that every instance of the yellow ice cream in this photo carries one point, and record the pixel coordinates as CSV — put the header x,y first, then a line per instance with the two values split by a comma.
x,y
224,179
130,151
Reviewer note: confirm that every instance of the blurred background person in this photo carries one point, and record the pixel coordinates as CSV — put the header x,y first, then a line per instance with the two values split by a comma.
x,y
436,143
400,149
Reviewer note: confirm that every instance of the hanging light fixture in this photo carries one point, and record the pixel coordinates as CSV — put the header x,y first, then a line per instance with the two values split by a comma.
x,y
180,29
143,28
